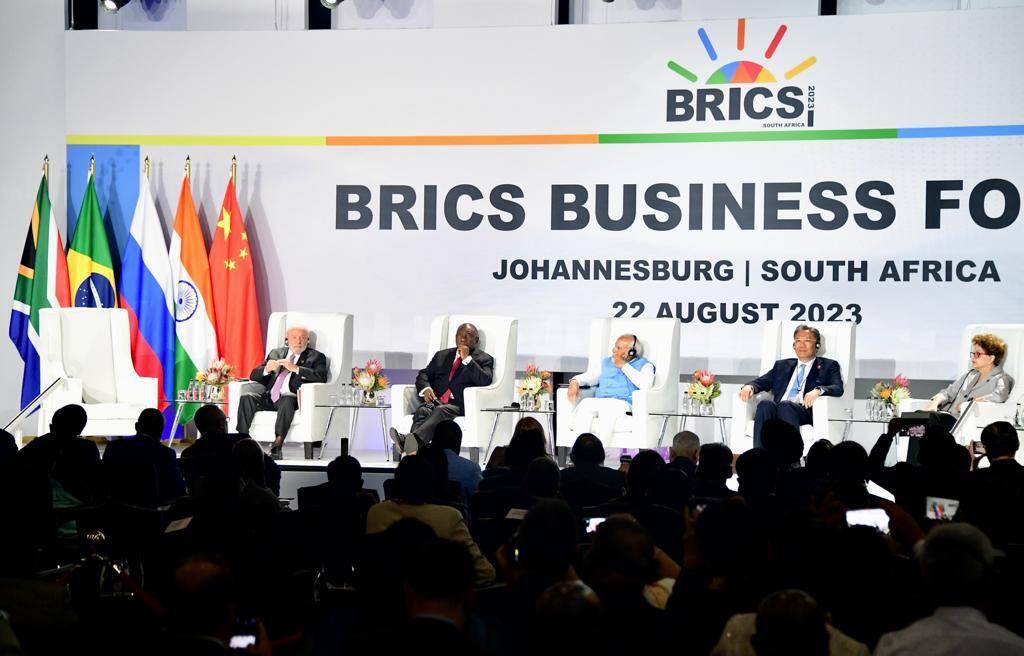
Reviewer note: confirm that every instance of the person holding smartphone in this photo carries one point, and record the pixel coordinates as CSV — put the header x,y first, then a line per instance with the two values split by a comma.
x,y
622,373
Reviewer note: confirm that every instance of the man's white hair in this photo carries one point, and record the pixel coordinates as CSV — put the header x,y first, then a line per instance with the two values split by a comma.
x,y
291,329
637,346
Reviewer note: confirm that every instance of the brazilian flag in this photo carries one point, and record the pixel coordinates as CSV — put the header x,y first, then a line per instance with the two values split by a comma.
x,y
90,266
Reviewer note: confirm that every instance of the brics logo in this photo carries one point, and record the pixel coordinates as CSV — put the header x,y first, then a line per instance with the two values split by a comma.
x,y
738,89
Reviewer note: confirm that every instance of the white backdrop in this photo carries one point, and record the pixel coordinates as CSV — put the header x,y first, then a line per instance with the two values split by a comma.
x,y
871,72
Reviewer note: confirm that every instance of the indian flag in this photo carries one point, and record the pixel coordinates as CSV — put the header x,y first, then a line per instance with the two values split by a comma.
x,y
196,346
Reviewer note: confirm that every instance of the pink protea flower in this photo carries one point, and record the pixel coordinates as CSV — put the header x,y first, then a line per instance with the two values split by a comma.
x,y
373,366
707,379
531,369
901,381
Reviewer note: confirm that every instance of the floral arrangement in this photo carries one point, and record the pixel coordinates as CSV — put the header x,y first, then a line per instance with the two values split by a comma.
x,y
892,393
535,382
704,387
370,378
218,374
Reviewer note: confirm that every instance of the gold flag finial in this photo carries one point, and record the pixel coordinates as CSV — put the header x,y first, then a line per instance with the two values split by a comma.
x,y
234,169
147,167
188,166
92,165
46,166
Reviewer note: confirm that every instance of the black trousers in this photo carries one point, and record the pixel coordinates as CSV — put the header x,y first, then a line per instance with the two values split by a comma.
x,y
250,404
789,412
428,416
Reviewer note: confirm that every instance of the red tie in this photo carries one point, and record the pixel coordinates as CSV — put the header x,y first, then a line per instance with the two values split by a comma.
x,y
451,374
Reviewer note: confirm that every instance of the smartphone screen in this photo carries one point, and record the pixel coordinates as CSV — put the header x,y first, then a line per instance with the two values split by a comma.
x,y
940,508
978,448
242,641
876,518
593,523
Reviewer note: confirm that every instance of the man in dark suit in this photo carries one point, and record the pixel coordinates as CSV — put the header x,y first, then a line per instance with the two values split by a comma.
x,y
587,457
63,456
283,371
795,383
442,385
140,470
206,465
992,497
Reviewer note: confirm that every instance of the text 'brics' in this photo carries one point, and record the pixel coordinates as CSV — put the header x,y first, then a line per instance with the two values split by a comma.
x,y
992,204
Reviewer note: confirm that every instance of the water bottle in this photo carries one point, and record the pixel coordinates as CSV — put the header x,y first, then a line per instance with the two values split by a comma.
x,y
1018,419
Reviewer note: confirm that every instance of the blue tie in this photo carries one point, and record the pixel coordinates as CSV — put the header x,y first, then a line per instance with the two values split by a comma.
x,y
795,390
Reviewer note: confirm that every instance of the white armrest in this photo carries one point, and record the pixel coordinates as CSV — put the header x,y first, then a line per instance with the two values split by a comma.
x,y
820,416
742,414
476,399
985,413
913,405
311,395
234,394
403,399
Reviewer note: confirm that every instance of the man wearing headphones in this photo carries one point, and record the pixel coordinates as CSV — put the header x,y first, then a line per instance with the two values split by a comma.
x,y
795,383
621,374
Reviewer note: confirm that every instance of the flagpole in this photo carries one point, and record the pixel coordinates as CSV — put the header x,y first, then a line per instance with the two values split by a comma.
x,y
147,167
188,166
234,169
46,166
92,165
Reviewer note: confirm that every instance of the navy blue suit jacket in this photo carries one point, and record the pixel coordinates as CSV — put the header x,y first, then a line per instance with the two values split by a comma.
x,y
824,374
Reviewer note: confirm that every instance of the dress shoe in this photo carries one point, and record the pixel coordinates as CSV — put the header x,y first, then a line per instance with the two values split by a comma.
x,y
397,438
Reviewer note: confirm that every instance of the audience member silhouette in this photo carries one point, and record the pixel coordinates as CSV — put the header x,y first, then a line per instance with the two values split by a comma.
x,y
993,496
714,468
465,472
588,482
413,494
140,470
684,452
956,562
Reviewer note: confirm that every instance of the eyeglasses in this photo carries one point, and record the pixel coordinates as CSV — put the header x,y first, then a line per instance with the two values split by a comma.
x,y
804,341
977,354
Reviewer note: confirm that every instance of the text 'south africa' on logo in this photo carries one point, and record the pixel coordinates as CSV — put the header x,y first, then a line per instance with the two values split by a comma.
x,y
751,98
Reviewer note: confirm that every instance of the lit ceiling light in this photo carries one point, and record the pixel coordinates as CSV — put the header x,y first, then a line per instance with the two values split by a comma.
x,y
331,4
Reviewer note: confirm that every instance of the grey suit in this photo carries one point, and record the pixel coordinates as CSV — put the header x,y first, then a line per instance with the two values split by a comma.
x,y
994,389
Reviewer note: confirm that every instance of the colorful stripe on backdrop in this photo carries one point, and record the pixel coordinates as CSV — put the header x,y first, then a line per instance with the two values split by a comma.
x,y
42,283
550,139
90,264
196,344
146,293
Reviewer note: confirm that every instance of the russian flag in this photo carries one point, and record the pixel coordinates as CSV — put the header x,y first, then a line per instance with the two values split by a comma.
x,y
146,293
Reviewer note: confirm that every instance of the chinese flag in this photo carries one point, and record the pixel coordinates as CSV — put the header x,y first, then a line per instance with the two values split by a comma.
x,y
239,338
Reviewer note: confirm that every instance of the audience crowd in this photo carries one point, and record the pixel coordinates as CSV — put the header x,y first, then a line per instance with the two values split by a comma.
x,y
140,551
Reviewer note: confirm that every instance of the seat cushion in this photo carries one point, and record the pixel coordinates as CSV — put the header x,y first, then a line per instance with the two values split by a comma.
x,y
112,411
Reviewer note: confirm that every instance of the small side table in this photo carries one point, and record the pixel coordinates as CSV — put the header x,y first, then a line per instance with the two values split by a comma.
x,y
686,415
180,407
520,411
356,407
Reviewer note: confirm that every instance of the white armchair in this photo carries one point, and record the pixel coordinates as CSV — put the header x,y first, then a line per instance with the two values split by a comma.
x,y
838,343
983,414
89,350
660,341
331,334
498,338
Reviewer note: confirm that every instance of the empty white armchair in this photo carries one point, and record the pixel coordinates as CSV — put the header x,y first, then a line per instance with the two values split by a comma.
x,y
660,341
89,351
838,342
982,414
499,339
331,334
